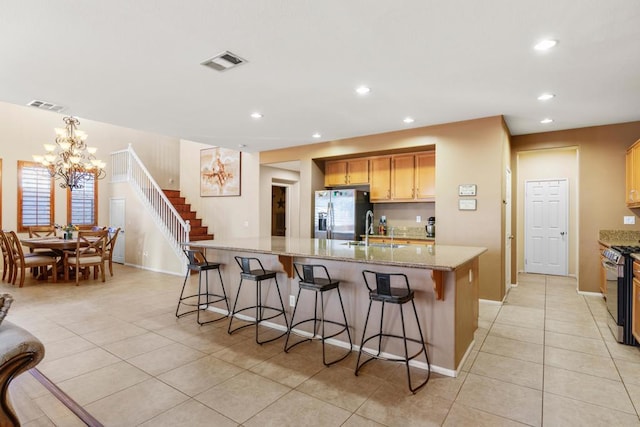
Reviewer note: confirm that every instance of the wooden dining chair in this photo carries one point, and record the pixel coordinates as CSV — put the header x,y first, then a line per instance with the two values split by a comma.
x,y
42,231
22,262
89,252
7,258
111,244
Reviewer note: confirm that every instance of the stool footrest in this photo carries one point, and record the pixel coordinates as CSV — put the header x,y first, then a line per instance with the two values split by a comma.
x,y
391,359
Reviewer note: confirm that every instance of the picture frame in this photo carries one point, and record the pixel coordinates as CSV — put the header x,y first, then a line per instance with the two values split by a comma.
x,y
220,172
467,190
467,204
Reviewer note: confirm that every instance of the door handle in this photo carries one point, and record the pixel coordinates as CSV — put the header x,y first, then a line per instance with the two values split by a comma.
x,y
562,233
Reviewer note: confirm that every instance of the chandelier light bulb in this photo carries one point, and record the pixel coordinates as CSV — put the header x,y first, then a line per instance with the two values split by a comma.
x,y
49,148
92,150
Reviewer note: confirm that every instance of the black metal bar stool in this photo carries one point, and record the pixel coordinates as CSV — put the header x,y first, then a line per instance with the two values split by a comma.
x,y
257,275
309,280
385,292
200,300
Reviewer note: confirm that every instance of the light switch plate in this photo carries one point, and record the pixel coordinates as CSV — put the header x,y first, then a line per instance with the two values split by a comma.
x,y
629,219
418,218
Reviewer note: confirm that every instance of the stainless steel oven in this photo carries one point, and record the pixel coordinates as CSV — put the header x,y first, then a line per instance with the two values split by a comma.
x,y
618,266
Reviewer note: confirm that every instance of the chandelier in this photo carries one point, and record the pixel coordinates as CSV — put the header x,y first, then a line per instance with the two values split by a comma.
x,y
70,160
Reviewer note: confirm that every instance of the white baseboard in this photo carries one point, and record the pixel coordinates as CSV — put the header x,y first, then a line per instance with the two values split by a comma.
x,y
345,345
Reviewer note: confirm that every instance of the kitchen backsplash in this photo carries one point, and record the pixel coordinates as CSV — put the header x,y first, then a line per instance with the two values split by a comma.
x,y
619,235
403,215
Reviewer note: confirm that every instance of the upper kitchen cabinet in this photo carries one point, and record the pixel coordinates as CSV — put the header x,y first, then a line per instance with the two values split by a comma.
x,y
633,175
380,183
346,172
403,178
426,176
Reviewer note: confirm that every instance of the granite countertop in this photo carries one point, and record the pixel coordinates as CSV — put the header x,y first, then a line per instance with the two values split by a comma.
x,y
434,257
619,238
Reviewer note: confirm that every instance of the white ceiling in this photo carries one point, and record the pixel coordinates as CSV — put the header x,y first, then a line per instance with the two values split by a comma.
x,y
137,64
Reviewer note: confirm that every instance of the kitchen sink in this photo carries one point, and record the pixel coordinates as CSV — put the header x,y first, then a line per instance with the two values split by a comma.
x,y
375,245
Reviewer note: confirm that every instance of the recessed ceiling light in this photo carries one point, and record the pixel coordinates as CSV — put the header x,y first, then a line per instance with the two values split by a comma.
x,y
363,90
316,135
546,121
256,115
546,97
408,120
545,44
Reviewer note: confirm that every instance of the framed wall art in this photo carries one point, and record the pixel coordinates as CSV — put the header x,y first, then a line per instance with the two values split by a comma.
x,y
220,170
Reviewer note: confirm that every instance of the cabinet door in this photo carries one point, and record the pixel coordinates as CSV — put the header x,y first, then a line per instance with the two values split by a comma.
x,y
358,171
335,173
426,176
402,181
635,310
380,188
629,175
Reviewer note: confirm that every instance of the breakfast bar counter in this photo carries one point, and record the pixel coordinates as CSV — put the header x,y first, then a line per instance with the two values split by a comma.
x,y
444,278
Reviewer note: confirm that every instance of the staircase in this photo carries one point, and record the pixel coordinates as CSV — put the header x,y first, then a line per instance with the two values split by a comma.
x,y
197,232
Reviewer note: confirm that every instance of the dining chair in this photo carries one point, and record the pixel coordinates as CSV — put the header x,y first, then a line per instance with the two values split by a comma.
x,y
22,262
41,231
111,244
89,252
7,258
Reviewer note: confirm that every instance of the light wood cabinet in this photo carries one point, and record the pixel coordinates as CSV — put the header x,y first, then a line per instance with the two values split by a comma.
x,y
632,176
635,307
346,172
380,181
426,176
401,240
403,177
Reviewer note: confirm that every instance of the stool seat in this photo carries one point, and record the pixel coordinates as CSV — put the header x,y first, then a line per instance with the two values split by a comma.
x,y
202,299
258,275
310,280
385,292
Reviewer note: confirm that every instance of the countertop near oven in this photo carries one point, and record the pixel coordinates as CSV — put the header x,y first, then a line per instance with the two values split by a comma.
x,y
619,237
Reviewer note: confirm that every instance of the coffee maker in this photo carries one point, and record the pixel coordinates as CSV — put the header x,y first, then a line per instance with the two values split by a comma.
x,y
431,227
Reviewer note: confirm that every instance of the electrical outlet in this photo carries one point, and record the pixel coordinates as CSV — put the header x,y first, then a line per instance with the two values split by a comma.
x,y
418,218
292,300
631,219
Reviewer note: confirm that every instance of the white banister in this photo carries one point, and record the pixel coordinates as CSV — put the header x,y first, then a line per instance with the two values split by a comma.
x,y
127,166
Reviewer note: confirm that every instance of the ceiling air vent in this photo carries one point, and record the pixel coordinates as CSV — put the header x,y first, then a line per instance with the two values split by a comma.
x,y
44,105
223,61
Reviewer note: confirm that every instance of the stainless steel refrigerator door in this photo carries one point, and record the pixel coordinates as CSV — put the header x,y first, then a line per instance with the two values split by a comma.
x,y
343,206
321,227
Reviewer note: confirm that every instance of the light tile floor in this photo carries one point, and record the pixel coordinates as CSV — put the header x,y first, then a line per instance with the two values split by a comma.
x,y
545,357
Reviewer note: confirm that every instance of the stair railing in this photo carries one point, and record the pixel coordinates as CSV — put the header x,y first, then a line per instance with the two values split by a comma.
x,y
126,166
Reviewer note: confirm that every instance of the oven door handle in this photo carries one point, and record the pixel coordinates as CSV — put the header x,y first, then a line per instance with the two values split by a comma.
x,y
608,264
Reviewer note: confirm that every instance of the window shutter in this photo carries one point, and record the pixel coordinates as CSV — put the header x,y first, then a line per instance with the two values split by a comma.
x,y
36,196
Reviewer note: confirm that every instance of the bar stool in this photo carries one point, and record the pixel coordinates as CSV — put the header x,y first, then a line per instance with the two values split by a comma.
x,y
198,262
257,275
309,280
385,292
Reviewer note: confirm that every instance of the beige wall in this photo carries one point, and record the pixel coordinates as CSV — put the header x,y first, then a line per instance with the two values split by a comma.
x,y
601,185
469,152
560,163
226,217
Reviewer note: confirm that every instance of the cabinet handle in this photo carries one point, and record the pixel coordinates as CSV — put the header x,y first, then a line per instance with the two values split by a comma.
x,y
346,179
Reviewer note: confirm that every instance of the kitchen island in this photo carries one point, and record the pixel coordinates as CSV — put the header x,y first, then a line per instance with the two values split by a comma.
x,y
444,278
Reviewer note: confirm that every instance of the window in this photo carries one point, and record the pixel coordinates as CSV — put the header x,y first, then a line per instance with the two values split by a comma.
x,y
82,204
35,195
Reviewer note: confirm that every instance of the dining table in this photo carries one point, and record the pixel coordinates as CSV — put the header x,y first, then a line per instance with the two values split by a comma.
x,y
57,245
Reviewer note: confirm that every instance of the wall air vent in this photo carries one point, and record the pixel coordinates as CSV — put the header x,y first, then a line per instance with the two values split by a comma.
x,y
223,61
44,105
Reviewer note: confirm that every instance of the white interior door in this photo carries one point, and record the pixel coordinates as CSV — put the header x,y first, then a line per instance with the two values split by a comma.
x,y
117,219
508,236
546,225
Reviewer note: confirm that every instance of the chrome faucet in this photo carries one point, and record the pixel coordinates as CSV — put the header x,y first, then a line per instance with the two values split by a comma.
x,y
367,225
